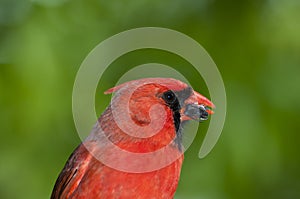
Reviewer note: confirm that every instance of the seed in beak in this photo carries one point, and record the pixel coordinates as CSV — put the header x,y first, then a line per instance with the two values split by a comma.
x,y
196,112
203,113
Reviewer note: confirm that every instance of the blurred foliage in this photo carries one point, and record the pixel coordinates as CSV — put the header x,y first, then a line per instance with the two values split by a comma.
x,y
256,45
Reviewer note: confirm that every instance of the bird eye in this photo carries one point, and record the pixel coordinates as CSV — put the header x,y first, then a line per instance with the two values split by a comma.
x,y
169,97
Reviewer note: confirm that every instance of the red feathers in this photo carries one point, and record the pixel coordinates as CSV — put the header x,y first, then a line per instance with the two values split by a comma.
x,y
144,117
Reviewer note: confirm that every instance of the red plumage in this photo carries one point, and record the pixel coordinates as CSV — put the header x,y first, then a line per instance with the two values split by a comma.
x,y
85,176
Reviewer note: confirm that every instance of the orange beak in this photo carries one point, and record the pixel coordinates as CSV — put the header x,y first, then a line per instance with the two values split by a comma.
x,y
197,107
206,102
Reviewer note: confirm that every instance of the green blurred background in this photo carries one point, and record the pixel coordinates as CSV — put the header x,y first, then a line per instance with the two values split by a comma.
x,y
255,44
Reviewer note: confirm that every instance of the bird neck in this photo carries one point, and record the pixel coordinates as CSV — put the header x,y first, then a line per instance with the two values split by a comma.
x,y
166,136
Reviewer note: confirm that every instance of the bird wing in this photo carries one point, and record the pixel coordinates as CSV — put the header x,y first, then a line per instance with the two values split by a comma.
x,y
72,173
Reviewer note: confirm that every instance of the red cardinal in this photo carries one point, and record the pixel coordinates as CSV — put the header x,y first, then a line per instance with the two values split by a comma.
x,y
98,167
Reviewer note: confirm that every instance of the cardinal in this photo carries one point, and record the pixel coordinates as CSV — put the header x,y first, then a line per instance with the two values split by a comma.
x,y
135,149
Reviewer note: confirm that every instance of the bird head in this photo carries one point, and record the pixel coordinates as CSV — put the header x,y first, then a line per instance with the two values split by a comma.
x,y
154,109
179,99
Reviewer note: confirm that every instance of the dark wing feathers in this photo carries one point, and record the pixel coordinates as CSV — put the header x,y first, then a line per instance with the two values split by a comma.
x,y
72,173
